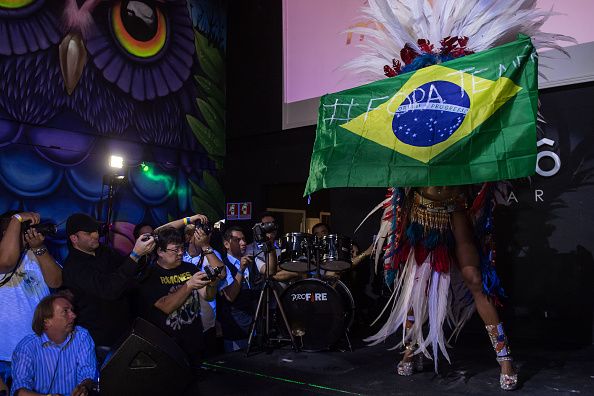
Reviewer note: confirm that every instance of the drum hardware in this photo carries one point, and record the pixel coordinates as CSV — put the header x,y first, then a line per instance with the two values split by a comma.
x,y
319,312
262,313
316,313
296,252
302,252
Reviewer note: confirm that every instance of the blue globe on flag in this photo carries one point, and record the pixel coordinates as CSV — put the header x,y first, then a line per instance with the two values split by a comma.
x,y
431,113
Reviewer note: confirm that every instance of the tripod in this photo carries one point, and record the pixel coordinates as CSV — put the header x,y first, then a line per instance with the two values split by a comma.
x,y
263,310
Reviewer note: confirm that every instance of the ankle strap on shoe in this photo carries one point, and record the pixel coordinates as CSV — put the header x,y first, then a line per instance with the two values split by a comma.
x,y
410,347
499,342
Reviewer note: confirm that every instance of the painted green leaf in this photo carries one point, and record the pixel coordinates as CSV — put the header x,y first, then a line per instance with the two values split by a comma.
x,y
215,123
209,58
201,206
211,90
213,143
220,110
214,189
204,195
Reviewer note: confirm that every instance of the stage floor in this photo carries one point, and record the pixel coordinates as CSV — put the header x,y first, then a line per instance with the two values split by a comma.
x,y
544,370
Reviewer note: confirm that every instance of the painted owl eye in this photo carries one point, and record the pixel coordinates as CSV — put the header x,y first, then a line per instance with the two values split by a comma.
x,y
14,4
139,26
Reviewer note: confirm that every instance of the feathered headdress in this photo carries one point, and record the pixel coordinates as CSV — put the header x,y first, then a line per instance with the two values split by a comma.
x,y
405,35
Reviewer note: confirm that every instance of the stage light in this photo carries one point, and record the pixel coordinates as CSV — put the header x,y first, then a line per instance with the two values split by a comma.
x,y
116,162
145,168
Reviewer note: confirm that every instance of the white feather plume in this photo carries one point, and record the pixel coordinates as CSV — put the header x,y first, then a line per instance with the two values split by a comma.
x,y
487,23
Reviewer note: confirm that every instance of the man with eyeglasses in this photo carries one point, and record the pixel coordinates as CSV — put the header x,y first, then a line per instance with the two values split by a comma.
x,y
170,295
101,281
237,303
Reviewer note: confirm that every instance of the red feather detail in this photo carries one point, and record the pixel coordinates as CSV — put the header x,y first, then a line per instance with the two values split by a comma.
x,y
425,46
420,253
408,54
479,201
389,72
441,259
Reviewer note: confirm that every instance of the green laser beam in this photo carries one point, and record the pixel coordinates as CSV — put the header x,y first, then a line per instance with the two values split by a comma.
x,y
280,379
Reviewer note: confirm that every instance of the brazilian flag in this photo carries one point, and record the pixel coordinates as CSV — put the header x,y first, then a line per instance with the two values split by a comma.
x,y
465,121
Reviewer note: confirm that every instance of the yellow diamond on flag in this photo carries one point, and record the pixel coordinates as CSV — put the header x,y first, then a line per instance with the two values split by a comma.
x,y
434,109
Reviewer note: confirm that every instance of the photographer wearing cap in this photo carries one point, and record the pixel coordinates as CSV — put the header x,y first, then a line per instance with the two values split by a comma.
x,y
101,280
169,297
33,272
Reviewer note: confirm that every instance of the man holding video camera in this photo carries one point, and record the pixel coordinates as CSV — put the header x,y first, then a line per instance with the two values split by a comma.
x,y
170,295
237,303
31,274
101,281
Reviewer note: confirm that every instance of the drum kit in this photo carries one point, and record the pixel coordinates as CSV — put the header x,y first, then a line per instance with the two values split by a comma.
x,y
319,310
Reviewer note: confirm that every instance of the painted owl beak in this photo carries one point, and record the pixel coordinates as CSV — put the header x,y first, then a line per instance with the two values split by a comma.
x,y
73,58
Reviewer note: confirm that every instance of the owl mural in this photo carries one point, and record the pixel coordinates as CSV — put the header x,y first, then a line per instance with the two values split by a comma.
x,y
83,79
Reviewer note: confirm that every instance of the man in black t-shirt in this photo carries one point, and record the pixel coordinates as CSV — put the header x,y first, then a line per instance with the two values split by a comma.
x,y
169,296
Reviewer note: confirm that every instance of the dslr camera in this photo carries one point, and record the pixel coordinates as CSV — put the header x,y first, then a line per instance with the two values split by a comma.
x,y
212,273
45,229
146,237
261,229
204,226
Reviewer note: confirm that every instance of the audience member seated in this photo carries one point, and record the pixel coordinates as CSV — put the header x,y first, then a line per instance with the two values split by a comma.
x,y
101,281
237,303
21,289
169,296
59,359
200,253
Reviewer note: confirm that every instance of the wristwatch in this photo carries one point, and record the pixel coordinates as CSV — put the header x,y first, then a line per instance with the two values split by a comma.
x,y
207,251
39,251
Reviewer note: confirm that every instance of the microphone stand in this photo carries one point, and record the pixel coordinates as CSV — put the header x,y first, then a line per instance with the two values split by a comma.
x,y
260,311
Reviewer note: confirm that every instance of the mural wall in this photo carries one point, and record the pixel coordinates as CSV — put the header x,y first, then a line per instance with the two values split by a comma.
x,y
81,80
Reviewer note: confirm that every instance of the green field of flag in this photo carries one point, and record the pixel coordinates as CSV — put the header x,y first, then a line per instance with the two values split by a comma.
x,y
465,121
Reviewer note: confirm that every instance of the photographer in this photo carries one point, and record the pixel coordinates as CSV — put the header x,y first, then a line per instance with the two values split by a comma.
x,y
22,288
237,303
10,246
101,280
170,295
200,253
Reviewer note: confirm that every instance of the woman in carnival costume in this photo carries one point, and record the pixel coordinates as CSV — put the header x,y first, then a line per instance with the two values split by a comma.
x,y
438,243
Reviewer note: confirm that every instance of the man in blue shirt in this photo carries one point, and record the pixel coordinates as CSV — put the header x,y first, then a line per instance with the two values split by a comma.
x,y
200,253
238,301
59,359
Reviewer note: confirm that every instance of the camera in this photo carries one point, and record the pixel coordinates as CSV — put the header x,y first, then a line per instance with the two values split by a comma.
x,y
45,229
212,273
204,226
261,229
146,237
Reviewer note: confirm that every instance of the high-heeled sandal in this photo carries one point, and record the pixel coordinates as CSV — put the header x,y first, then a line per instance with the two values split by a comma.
x,y
500,344
413,365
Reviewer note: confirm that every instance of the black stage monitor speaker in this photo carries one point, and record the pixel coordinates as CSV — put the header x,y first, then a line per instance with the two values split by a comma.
x,y
147,363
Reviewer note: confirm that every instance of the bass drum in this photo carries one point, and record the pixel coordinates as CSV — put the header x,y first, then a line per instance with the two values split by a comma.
x,y
318,312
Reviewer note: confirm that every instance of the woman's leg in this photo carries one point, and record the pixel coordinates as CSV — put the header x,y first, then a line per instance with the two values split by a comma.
x,y
409,362
468,262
